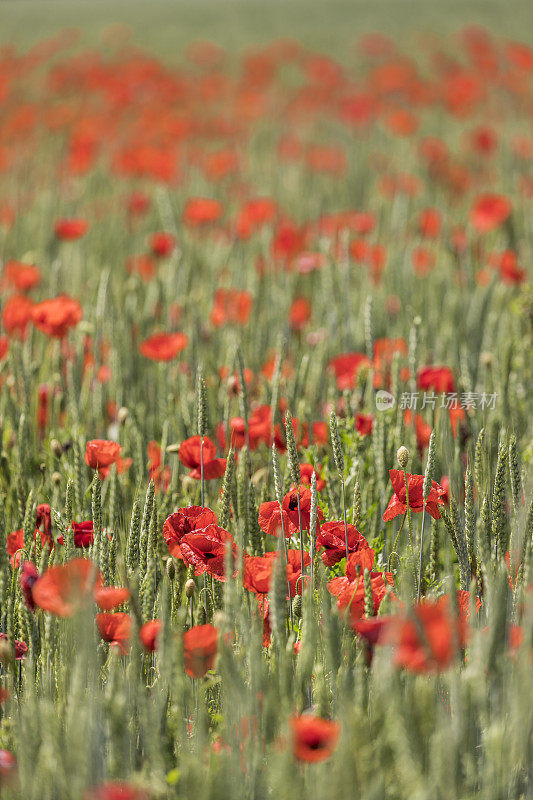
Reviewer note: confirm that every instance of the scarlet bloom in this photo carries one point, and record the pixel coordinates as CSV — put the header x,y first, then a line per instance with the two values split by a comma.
x,y
149,634
299,313
70,229
257,572
364,424
489,212
20,276
192,454
183,521
16,315
294,570
205,550
27,579
21,648
231,306
110,597
331,537
200,645
427,644
62,589
4,347
398,502
270,519
115,629
101,453
55,317
83,534
346,368
115,790
350,590
164,346
201,211
306,473
162,244
314,738
290,507
440,379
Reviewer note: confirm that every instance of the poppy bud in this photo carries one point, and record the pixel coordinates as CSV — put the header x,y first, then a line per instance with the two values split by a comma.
x,y
171,569
190,588
122,415
6,653
56,448
297,606
56,478
173,448
403,456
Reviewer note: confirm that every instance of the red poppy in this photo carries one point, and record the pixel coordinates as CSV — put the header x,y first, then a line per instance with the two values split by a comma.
x,y
425,640
101,453
489,212
429,223
306,473
398,502
294,570
299,313
231,306
43,517
142,264
55,317
149,634
110,597
257,572
138,203
346,368
364,424
270,519
83,534
332,538
201,211
161,477
27,578
115,790
15,544
162,244
62,589
16,314
290,507
205,550
20,276
164,346
193,455
4,347
200,645
70,229
372,629
313,738
440,379
183,521
21,648
115,629
350,590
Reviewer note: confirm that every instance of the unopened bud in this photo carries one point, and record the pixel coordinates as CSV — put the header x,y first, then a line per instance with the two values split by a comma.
x,y
190,588
403,456
122,415
297,606
173,448
56,448
171,569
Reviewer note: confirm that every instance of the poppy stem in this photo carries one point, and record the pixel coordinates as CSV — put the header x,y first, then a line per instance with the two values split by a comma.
x,y
286,551
202,489
344,516
301,531
421,555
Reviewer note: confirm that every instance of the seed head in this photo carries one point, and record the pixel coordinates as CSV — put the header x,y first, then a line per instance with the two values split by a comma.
x,y
190,588
403,456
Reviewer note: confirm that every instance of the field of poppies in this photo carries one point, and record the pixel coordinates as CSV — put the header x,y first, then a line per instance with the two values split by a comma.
x,y
265,420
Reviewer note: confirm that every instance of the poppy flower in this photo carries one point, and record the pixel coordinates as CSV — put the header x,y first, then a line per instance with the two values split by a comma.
x,y
115,790
16,315
115,629
489,212
364,424
143,265
101,453
429,223
22,277
346,368
294,570
290,507
331,537
257,572
149,634
192,454
57,316
15,543
8,768
161,477
4,347
62,589
27,578
398,502
110,597
138,203
306,473
162,244
183,521
200,211
43,517
205,550
164,346
440,379
21,648
313,738
350,591
372,629
426,639
200,646
299,313
70,229
270,519
83,534
231,306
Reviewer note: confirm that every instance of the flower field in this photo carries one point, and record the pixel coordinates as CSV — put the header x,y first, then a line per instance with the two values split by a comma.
x,y
266,526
